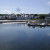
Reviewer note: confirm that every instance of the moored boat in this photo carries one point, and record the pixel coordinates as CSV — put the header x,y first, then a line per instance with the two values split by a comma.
x,y
38,24
32,24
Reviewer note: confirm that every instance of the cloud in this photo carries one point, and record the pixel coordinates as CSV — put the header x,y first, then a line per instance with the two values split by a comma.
x,y
39,9
48,3
7,11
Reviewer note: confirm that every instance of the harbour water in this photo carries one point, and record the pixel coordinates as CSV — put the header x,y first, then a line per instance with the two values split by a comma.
x,y
24,37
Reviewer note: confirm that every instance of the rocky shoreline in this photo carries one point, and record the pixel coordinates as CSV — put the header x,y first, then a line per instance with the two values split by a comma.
x,y
13,21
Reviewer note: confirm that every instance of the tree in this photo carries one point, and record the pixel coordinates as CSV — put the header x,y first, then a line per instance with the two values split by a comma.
x,y
1,14
41,17
35,14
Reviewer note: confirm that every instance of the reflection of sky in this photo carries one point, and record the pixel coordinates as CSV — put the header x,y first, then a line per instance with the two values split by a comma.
x,y
16,36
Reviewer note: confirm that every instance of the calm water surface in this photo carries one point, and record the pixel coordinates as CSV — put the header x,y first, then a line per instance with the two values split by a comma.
x,y
24,37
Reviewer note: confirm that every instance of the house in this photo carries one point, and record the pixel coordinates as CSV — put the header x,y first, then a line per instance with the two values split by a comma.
x,y
47,17
12,17
0,17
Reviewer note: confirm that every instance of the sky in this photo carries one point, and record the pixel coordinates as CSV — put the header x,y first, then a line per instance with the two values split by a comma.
x,y
25,6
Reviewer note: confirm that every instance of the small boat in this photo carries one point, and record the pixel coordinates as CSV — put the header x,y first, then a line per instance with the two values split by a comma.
x,y
43,24
32,24
38,24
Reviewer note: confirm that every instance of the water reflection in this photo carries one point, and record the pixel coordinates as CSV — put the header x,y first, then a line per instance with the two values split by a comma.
x,y
33,26
23,37
39,26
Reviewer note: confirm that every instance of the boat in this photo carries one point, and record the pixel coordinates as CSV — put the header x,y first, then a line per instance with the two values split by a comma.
x,y
38,24
32,24
43,24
